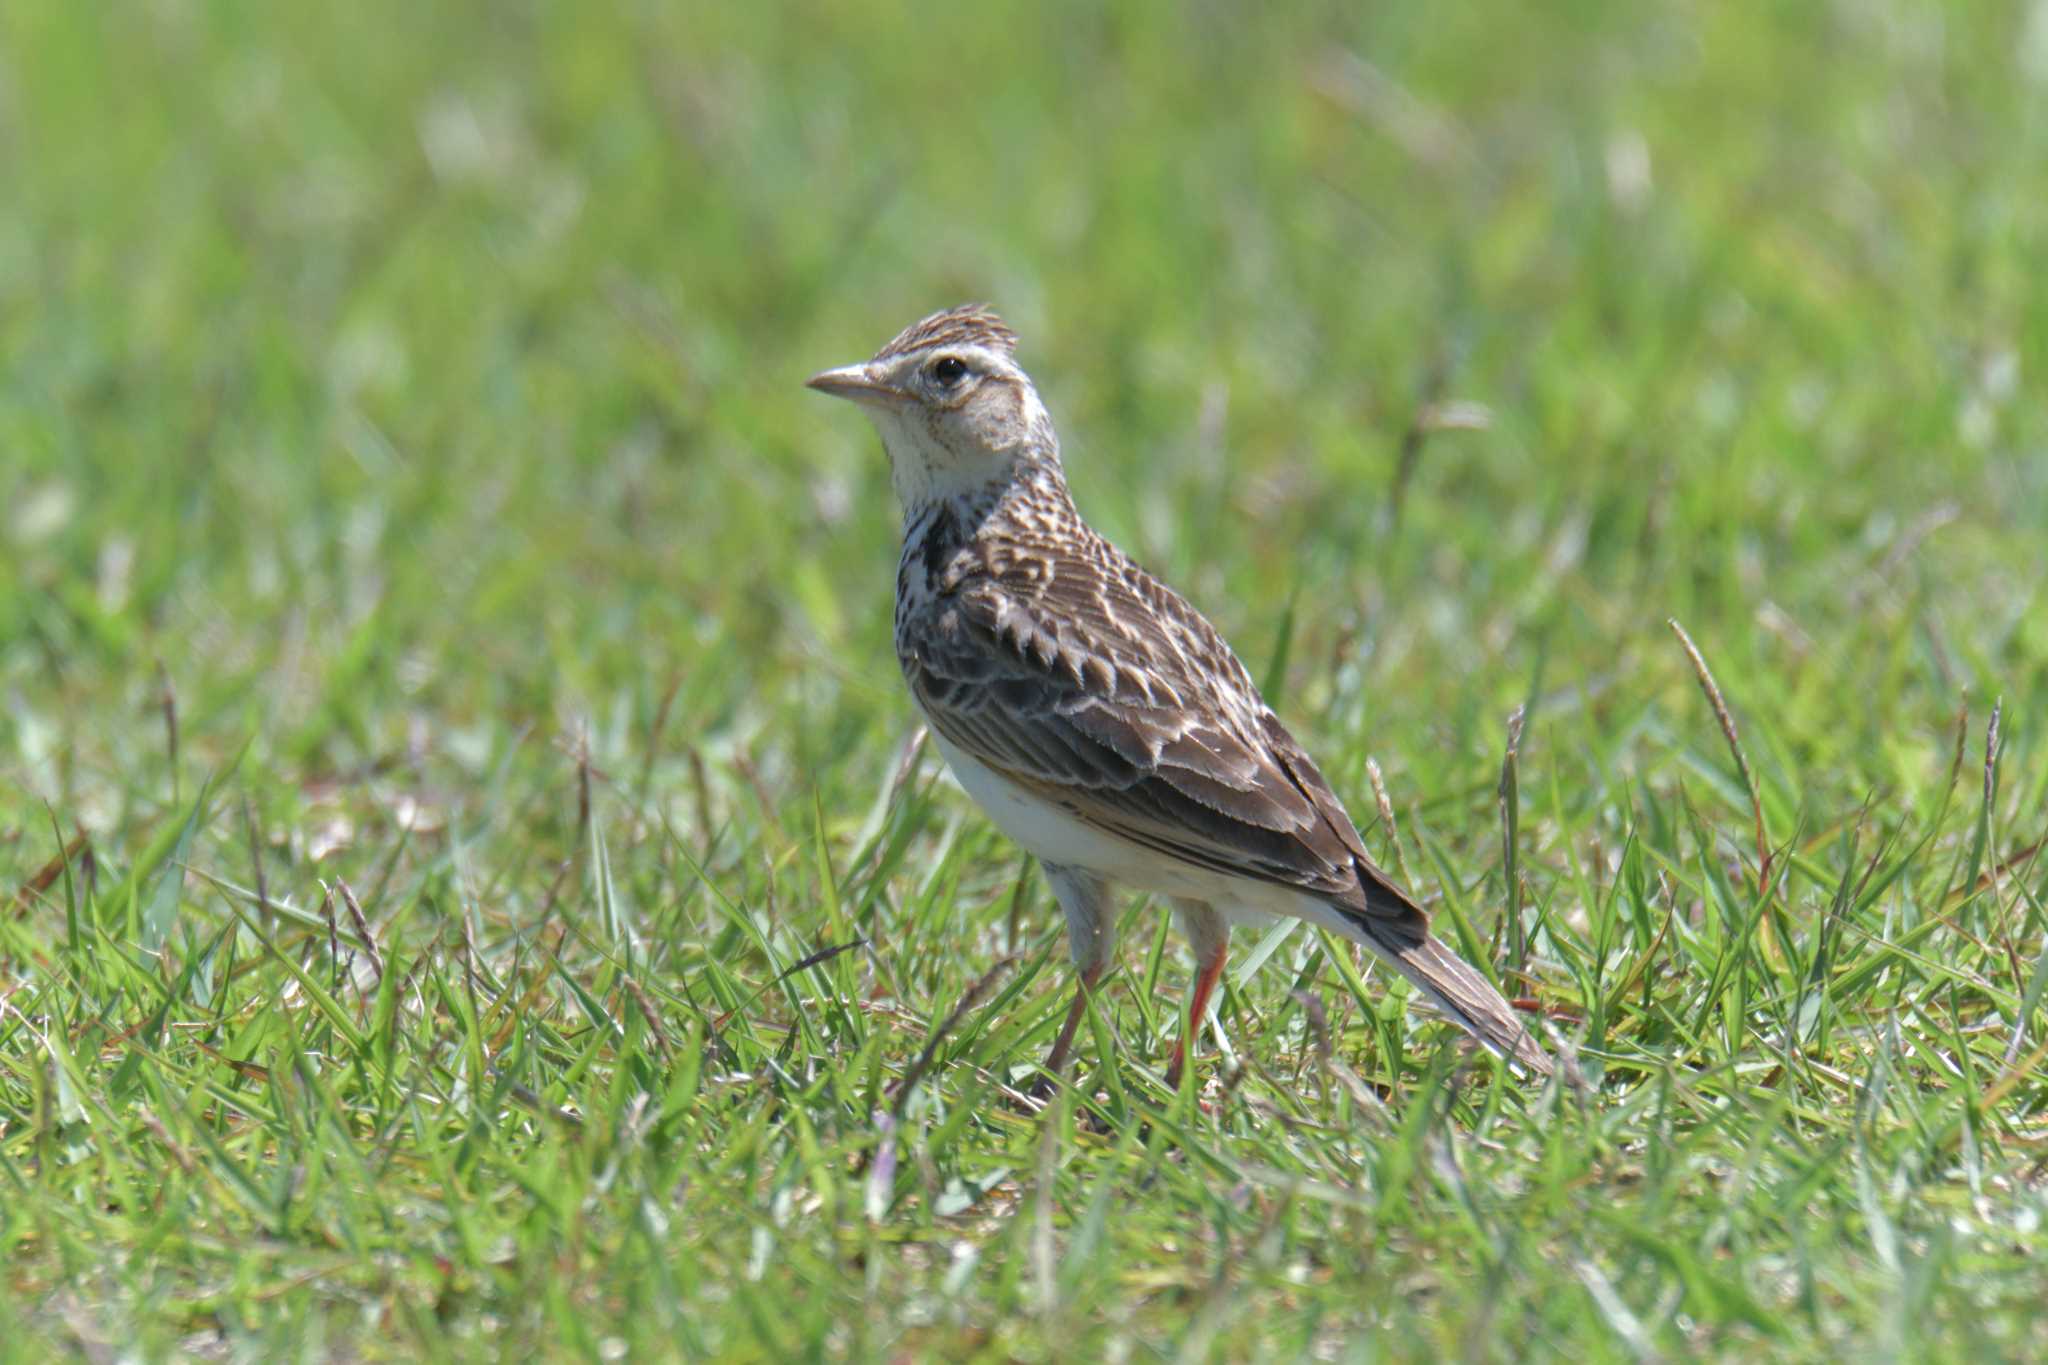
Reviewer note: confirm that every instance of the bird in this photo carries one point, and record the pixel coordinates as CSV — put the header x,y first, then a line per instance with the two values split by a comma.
x,y
1098,718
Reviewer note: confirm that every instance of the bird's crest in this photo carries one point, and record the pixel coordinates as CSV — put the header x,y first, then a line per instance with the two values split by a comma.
x,y
971,324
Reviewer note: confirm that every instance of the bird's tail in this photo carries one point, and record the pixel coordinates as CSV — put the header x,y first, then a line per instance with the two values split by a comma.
x,y
1457,988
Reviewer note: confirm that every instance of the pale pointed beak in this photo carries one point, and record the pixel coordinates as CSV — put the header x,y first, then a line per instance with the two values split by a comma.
x,y
851,381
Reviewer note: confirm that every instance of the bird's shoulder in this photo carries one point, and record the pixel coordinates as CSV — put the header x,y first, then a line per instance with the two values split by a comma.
x,y
1048,592
1036,646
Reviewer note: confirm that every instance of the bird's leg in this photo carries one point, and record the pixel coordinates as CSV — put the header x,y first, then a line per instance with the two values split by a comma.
x,y
1209,935
1057,1058
1091,940
1198,1000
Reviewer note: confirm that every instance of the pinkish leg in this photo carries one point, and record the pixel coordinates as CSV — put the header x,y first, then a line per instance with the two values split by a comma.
x,y
1209,933
1091,940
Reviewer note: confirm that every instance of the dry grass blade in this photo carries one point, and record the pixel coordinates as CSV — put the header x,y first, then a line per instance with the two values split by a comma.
x,y
973,996
362,924
1421,423
648,1012
46,876
1386,809
1991,754
1510,797
1715,700
167,703
700,791
1955,767
1362,1095
170,1144
655,731
825,954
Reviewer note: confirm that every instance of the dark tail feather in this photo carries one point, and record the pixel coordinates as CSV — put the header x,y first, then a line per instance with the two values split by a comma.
x,y
1458,988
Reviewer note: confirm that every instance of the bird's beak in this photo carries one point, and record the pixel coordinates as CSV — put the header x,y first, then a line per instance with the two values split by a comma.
x,y
851,381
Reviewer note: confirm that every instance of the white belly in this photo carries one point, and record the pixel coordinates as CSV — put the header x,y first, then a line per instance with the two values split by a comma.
x,y
1057,837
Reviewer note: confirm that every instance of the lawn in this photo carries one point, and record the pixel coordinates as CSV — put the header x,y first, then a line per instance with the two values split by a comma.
x,y
469,882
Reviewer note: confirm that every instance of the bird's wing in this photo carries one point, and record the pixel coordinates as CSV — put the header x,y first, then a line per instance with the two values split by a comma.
x,y
1104,692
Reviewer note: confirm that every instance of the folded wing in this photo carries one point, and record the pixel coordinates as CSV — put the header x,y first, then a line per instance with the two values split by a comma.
x,y
1106,693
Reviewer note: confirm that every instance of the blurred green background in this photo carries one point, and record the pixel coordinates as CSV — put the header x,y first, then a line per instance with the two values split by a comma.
x,y
473,322
412,395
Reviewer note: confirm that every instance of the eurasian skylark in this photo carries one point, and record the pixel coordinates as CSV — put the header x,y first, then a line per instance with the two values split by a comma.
x,y
1097,717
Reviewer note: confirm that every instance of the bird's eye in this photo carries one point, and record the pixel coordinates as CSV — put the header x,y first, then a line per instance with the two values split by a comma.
x,y
948,370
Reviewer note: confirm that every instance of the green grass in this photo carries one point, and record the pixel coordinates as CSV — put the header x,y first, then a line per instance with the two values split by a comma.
x,y
407,500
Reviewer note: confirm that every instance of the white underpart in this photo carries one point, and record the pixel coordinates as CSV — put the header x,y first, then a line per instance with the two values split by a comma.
x,y
1055,837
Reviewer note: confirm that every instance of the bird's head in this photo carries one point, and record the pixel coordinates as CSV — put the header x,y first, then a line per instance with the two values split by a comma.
x,y
954,411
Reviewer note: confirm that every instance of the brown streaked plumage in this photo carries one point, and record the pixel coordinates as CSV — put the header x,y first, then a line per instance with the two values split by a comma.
x,y
1095,714
973,324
